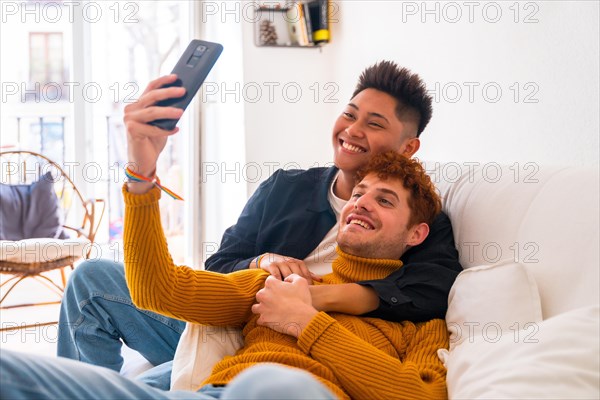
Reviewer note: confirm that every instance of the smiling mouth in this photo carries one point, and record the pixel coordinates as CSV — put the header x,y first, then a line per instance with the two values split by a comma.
x,y
352,148
361,223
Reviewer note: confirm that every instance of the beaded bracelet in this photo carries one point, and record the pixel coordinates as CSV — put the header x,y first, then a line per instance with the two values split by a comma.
x,y
139,178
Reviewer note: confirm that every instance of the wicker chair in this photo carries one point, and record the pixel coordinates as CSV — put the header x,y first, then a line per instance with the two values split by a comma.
x,y
26,167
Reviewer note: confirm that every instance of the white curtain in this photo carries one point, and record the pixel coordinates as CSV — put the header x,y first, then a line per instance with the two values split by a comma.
x,y
223,148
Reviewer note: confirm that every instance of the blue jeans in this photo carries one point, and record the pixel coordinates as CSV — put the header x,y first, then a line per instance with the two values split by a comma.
x,y
26,376
97,315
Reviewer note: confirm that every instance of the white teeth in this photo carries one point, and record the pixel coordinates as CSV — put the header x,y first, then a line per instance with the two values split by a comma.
x,y
352,148
361,223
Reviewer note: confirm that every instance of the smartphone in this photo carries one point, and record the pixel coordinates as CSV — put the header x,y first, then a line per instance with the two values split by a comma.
x,y
191,69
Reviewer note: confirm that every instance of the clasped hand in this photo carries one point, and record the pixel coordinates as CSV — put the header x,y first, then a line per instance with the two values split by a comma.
x,y
285,306
283,266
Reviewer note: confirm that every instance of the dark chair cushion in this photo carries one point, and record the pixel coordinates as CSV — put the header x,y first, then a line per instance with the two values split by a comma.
x,y
30,211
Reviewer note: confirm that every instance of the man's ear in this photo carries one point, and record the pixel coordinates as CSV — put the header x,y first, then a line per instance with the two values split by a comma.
x,y
417,234
412,146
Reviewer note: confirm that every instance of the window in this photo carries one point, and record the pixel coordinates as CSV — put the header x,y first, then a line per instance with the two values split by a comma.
x,y
46,58
150,38
68,69
51,132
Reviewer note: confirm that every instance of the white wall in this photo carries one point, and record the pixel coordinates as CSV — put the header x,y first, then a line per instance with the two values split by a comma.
x,y
557,57
290,126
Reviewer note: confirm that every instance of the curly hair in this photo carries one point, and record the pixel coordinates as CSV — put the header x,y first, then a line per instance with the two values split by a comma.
x,y
424,201
407,88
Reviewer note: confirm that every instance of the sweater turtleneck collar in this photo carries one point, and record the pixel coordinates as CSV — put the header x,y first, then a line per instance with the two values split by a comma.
x,y
349,269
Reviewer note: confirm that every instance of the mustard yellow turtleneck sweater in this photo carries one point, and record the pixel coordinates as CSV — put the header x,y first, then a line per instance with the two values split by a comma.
x,y
355,357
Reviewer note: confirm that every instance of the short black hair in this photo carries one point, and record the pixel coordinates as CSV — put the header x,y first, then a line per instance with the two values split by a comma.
x,y
407,88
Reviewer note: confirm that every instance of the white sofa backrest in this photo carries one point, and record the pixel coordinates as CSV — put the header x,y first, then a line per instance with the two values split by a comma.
x,y
547,218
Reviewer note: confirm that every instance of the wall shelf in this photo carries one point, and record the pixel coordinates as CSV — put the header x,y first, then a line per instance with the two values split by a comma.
x,y
301,24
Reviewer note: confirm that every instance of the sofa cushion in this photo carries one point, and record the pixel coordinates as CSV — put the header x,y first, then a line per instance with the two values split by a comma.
x,y
562,228
545,217
554,359
487,301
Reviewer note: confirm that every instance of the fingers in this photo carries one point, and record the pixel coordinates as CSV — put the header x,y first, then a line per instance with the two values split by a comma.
x,y
258,309
260,296
152,113
157,95
269,282
153,97
282,270
136,121
304,272
281,267
158,82
154,93
273,269
293,278
285,268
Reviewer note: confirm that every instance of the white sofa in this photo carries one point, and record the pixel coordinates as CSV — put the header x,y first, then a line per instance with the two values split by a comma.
x,y
523,316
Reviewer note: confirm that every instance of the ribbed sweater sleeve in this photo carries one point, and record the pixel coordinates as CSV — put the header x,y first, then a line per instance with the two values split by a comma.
x,y
157,284
366,372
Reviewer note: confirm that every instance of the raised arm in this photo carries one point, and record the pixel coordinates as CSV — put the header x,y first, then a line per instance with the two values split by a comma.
x,y
154,281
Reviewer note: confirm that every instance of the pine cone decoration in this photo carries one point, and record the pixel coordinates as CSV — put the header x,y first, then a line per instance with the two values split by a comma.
x,y
268,35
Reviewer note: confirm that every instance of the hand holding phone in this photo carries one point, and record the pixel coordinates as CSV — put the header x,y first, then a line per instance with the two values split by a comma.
x,y
192,68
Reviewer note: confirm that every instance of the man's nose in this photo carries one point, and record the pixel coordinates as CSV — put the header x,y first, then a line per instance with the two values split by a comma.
x,y
354,130
364,202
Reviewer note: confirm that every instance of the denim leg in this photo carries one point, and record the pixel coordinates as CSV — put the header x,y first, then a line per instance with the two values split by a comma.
x,y
276,382
158,377
97,313
28,376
